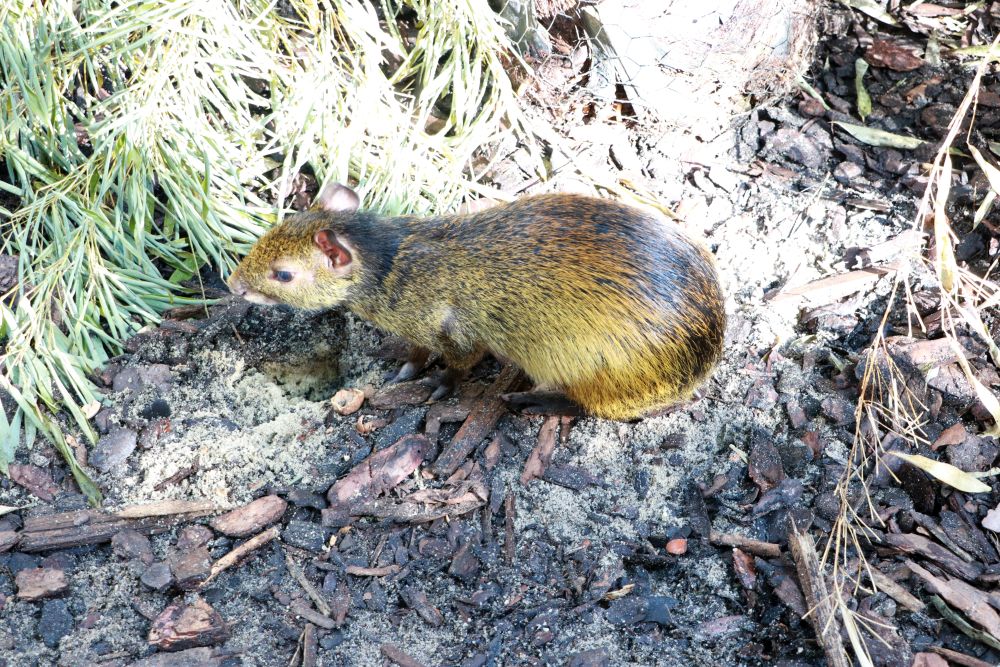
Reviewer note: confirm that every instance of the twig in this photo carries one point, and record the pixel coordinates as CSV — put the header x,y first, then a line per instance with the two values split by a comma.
x,y
756,547
299,575
822,614
241,552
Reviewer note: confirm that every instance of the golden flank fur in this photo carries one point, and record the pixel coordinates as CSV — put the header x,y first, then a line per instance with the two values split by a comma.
x,y
611,305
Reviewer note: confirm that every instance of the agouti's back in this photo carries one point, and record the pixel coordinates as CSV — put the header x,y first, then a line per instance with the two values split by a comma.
x,y
612,305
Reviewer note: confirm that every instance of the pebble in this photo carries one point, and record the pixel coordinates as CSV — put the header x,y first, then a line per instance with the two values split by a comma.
x,y
157,576
128,544
113,448
305,535
56,622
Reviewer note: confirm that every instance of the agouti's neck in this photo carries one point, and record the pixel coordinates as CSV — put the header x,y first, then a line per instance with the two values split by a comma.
x,y
376,241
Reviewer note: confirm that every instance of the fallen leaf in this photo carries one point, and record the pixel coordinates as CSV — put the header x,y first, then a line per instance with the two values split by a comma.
x,y
872,9
953,435
889,54
945,472
874,137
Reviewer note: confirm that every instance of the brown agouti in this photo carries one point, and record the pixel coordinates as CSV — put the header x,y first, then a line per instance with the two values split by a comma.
x,y
609,304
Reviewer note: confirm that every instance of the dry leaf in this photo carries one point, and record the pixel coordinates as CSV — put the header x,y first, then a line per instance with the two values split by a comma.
x,y
874,137
945,472
944,251
347,401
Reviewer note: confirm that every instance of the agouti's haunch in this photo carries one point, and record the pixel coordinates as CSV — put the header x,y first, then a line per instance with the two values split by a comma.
x,y
611,305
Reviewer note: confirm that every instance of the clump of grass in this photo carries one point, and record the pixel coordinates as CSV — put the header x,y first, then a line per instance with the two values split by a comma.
x,y
147,140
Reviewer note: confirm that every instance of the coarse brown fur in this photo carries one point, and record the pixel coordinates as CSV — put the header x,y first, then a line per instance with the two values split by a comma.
x,y
612,305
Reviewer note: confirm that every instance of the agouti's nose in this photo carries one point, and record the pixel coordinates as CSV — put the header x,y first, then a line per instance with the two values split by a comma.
x,y
237,286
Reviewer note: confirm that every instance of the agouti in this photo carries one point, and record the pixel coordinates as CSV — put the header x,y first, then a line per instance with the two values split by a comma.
x,y
610,305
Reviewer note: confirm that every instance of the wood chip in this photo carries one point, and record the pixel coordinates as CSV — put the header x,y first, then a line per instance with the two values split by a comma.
x,y
911,543
957,658
823,616
828,290
385,571
242,551
79,527
182,626
541,455
379,473
36,480
763,549
250,518
399,657
971,601
40,582
480,423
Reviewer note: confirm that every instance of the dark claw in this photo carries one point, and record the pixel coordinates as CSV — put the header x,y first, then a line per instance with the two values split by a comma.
x,y
543,403
449,382
407,371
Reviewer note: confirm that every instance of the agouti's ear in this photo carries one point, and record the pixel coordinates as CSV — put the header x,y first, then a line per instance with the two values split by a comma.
x,y
337,253
338,198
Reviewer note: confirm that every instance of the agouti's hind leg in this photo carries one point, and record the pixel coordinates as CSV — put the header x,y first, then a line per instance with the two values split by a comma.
x,y
414,364
457,365
543,403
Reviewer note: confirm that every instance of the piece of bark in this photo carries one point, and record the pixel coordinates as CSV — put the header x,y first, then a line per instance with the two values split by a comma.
x,y
8,538
417,600
824,615
443,413
895,591
340,603
40,582
384,571
400,394
200,657
250,518
242,551
956,658
571,477
182,626
36,480
310,645
378,473
510,540
541,455
399,657
300,608
764,462
911,543
412,513
971,601
763,549
828,290
481,421
190,568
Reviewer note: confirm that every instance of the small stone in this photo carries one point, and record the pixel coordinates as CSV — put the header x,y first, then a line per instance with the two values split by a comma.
x,y
192,657
305,535
465,565
796,415
626,611
595,657
158,409
158,576
40,582
135,378
677,547
305,498
128,544
847,173
250,518
182,626
114,448
658,609
190,568
56,622
837,410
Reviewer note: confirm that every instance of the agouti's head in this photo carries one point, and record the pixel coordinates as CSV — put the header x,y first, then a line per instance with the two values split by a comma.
x,y
305,261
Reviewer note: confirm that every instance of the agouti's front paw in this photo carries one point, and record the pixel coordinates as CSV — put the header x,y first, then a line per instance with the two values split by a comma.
x,y
414,364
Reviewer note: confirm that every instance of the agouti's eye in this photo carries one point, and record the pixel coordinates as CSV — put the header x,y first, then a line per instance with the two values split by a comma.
x,y
284,276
